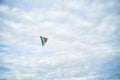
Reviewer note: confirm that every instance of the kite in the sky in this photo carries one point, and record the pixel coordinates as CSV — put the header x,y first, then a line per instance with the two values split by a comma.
x,y
43,40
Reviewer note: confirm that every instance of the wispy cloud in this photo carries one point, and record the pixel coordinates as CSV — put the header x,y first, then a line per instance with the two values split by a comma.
x,y
83,40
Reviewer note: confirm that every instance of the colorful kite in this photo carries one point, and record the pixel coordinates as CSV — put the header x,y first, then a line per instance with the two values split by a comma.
x,y
43,40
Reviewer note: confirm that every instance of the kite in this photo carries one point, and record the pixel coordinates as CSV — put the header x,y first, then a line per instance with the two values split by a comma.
x,y
43,40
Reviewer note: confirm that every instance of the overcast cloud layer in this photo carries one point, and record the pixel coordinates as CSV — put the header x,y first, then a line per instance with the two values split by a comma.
x,y
83,39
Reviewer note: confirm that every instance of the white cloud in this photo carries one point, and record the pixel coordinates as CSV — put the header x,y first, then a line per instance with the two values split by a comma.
x,y
3,9
76,42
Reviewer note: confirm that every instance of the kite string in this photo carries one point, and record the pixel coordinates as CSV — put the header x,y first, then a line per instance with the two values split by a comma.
x,y
39,39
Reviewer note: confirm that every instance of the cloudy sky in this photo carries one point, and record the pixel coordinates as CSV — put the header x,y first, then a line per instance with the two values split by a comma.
x,y
83,39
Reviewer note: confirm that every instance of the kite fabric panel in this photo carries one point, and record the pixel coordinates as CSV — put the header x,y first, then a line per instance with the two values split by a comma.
x,y
43,40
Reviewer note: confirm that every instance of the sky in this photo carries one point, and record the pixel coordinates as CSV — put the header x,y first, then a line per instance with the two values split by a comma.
x,y
83,40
